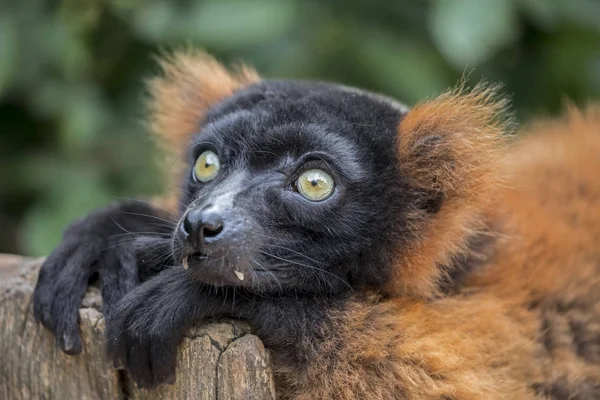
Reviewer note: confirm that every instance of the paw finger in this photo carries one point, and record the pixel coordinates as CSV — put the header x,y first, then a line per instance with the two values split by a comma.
x,y
71,285
163,357
45,288
116,345
139,365
119,277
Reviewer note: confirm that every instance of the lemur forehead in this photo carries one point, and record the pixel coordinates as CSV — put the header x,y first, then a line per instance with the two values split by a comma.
x,y
400,107
309,96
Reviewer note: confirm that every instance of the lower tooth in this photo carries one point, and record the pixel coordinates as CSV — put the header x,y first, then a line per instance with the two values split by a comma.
x,y
185,263
240,275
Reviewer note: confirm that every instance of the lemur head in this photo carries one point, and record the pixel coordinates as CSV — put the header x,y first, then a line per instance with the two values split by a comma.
x,y
320,188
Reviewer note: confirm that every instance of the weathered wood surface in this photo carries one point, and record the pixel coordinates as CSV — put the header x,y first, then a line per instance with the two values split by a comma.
x,y
217,361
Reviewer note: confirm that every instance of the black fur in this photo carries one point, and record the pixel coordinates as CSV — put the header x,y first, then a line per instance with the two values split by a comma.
x,y
480,249
562,389
300,258
106,244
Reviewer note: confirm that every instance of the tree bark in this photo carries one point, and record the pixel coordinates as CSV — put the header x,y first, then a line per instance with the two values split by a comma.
x,y
217,361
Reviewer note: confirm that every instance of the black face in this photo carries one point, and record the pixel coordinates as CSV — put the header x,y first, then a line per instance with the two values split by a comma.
x,y
294,186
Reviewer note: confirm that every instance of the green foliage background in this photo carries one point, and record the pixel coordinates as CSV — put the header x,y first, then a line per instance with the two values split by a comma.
x,y
72,71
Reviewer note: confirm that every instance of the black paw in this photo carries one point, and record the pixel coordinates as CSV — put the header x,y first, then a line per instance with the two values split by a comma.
x,y
99,244
143,334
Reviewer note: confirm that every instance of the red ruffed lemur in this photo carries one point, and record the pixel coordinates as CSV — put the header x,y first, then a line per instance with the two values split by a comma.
x,y
379,251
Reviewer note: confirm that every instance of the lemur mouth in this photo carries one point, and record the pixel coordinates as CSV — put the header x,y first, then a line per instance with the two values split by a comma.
x,y
199,256
196,256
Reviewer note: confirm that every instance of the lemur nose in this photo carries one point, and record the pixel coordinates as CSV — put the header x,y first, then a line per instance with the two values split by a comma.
x,y
198,225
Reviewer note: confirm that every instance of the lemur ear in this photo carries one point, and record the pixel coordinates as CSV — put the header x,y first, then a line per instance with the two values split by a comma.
x,y
191,82
451,151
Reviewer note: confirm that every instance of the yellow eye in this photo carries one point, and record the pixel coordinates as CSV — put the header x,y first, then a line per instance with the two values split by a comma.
x,y
207,166
315,184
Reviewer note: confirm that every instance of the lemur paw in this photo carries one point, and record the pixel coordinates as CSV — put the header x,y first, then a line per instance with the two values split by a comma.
x,y
98,244
142,335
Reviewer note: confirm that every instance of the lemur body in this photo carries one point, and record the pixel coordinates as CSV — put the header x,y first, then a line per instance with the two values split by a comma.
x,y
445,262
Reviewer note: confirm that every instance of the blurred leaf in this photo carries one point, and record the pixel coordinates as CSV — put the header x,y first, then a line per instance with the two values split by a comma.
x,y
154,21
240,23
469,31
543,12
85,116
406,69
67,50
43,101
582,12
226,25
8,50
77,195
124,6
82,15
290,56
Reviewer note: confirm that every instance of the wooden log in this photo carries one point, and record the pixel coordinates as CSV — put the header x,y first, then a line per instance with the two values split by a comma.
x,y
217,361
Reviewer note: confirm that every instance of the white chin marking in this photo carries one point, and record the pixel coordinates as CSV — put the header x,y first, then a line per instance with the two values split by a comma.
x,y
240,275
185,263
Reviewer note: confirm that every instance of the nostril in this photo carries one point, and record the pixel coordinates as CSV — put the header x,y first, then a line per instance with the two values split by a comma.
x,y
186,227
212,225
210,232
